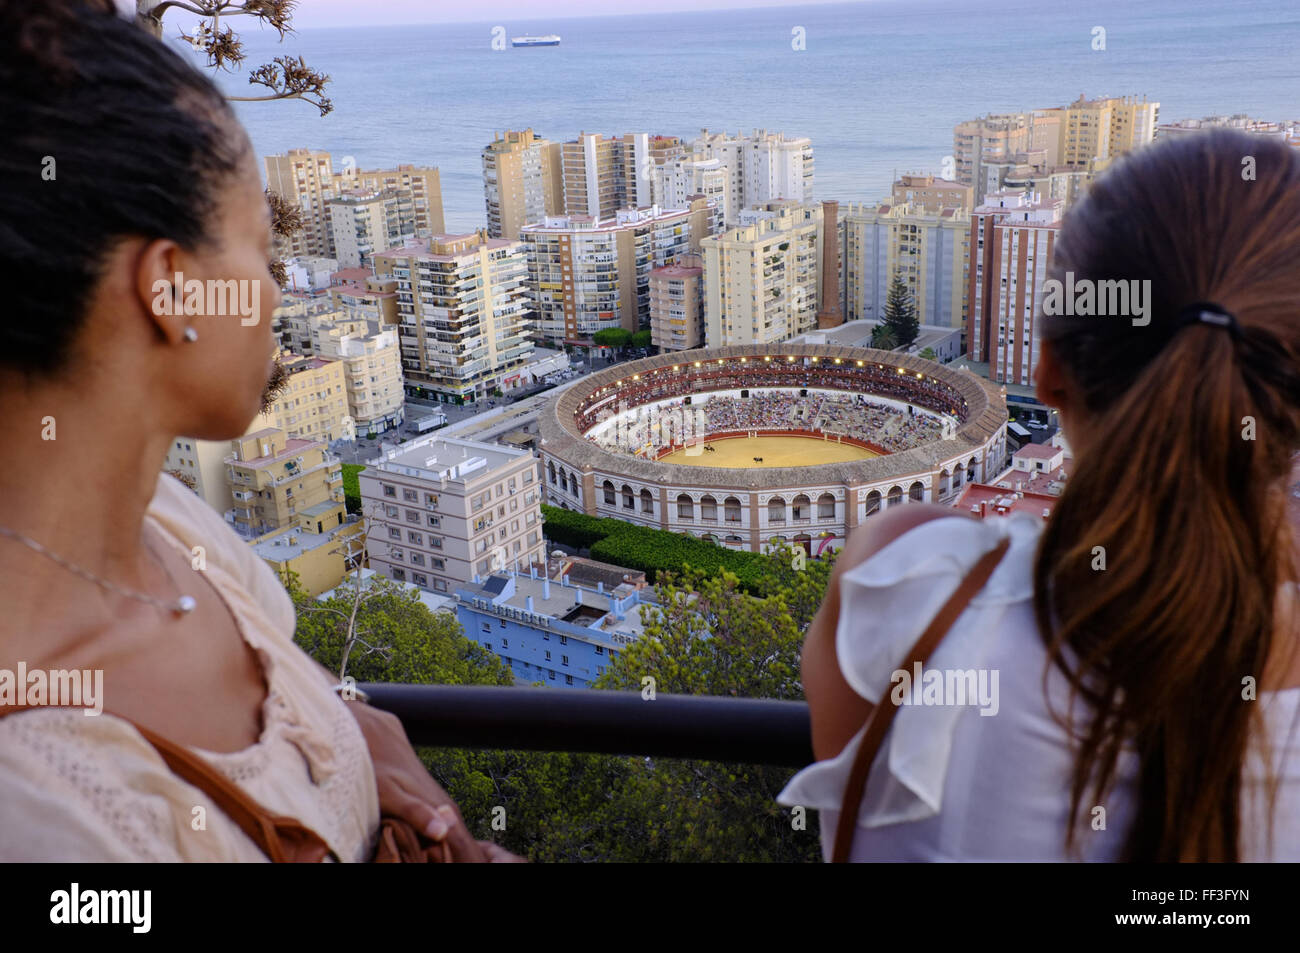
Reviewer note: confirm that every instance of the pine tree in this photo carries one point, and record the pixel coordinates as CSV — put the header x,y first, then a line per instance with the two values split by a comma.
x,y
900,313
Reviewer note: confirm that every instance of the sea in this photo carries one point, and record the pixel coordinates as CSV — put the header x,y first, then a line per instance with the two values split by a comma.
x,y
877,85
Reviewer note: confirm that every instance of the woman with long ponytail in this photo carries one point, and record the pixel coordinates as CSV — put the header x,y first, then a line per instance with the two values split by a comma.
x,y
1147,633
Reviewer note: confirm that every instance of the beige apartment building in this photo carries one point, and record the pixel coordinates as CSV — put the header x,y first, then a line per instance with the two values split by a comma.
x,y
308,177
1095,129
372,373
441,512
462,304
314,403
762,281
1011,240
360,294
589,274
288,503
930,250
604,174
279,481
677,305
365,223
931,194
523,181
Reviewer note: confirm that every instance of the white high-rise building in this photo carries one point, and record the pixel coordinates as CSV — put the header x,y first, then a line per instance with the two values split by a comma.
x,y
761,167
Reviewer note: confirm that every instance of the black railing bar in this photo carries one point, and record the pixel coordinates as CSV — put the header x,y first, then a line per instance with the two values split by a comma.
x,y
739,730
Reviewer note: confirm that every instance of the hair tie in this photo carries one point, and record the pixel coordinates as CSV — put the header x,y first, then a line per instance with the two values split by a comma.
x,y
1207,312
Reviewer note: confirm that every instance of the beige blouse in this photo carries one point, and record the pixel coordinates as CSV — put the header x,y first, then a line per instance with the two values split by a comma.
x,y
78,788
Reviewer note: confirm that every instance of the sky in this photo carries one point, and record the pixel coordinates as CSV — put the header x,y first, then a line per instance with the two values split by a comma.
x,y
336,13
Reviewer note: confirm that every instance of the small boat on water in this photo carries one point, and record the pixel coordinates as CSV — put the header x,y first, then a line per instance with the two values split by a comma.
x,y
549,40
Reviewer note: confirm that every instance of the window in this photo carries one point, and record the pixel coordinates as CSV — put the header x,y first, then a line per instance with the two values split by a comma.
x,y
399,575
568,680
512,484
488,646
434,521
395,552
502,623
412,516
394,533
564,640
500,491
420,579
487,626
546,636
436,563
410,496
548,655
413,537
390,490
600,650
552,671
390,512
440,584
417,559
564,660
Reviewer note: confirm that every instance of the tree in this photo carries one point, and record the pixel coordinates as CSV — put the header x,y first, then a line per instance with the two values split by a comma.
x,y
287,77
900,313
642,338
883,338
612,337
928,354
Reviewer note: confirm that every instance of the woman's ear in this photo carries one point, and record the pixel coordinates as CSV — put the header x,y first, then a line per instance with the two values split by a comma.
x,y
1049,379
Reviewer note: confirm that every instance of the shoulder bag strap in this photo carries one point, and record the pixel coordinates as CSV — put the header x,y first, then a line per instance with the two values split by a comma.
x,y
882,714
282,839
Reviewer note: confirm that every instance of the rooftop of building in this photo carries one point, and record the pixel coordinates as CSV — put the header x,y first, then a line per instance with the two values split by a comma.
x,y
575,603
292,542
432,600
588,572
438,458
677,271
293,447
352,276
1038,451
980,499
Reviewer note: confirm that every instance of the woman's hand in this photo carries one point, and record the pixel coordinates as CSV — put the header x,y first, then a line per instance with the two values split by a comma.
x,y
406,789
409,792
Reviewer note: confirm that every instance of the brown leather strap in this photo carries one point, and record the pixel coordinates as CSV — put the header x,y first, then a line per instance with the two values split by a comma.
x,y
882,714
282,839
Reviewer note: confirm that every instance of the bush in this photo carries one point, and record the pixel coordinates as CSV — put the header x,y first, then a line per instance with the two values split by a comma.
x,y
652,551
352,486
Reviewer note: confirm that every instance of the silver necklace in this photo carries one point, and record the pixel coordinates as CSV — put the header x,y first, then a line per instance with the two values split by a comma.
x,y
180,607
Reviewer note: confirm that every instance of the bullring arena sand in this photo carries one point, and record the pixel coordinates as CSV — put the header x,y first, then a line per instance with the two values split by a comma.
x,y
739,452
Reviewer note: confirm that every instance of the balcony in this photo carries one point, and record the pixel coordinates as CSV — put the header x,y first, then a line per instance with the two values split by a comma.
x,y
738,730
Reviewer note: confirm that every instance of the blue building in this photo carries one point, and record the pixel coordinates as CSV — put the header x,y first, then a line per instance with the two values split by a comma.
x,y
558,631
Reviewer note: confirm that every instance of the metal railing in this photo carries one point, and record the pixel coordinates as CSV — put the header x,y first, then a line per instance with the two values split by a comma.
x,y
707,728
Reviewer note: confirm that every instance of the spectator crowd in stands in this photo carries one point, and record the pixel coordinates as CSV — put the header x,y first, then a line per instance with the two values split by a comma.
x,y
853,415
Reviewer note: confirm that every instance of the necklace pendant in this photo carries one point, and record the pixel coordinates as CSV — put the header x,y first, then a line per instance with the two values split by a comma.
x,y
184,605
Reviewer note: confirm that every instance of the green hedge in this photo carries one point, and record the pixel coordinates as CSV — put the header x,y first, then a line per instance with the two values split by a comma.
x,y
352,486
651,551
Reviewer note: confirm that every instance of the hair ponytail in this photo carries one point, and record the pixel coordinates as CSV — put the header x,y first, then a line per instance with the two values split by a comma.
x,y
1160,565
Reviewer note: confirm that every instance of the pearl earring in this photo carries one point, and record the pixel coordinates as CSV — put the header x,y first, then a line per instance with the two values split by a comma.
x,y
191,334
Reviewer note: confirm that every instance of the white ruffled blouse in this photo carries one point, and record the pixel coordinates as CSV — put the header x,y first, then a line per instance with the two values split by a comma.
x,y
951,783
78,788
